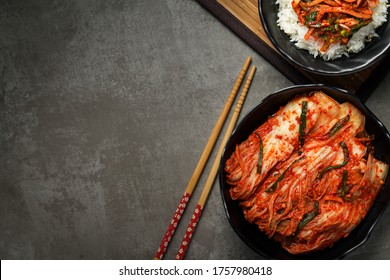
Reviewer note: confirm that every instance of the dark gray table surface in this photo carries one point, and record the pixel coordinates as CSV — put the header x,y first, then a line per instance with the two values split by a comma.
x,y
105,107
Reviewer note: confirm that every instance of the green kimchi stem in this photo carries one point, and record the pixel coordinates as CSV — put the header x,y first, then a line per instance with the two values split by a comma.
x,y
338,125
344,183
302,127
281,177
331,167
307,218
260,159
275,184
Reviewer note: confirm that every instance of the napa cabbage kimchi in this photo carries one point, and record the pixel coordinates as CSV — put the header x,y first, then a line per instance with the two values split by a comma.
x,y
307,176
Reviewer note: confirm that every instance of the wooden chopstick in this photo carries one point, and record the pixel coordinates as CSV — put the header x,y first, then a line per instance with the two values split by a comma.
x,y
201,164
213,172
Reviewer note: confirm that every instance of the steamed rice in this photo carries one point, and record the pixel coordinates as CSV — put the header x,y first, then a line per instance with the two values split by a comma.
x,y
288,22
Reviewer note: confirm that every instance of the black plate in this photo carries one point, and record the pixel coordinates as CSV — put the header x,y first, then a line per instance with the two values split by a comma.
x,y
249,233
372,52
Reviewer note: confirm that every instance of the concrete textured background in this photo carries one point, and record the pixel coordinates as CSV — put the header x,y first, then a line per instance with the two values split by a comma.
x,y
105,107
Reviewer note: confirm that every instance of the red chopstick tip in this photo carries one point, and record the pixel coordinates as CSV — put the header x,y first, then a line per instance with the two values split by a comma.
x,y
172,226
189,232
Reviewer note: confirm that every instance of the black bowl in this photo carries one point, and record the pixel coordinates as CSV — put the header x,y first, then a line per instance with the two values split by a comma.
x,y
371,53
249,233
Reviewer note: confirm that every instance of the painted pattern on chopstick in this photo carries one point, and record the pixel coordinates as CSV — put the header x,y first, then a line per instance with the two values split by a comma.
x,y
189,232
172,226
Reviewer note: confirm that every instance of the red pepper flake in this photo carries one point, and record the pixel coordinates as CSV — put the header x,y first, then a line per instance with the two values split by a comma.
x,y
292,126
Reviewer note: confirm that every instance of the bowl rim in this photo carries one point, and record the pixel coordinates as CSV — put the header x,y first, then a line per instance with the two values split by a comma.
x,y
366,63
303,88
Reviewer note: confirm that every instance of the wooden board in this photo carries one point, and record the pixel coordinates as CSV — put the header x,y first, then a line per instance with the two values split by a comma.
x,y
246,13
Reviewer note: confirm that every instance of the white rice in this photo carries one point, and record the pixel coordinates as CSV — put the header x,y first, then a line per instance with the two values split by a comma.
x,y
288,22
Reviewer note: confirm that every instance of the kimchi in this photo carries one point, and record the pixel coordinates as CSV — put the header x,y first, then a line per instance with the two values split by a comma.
x,y
333,21
307,176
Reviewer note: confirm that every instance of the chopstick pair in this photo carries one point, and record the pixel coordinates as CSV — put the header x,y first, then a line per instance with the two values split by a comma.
x,y
201,164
